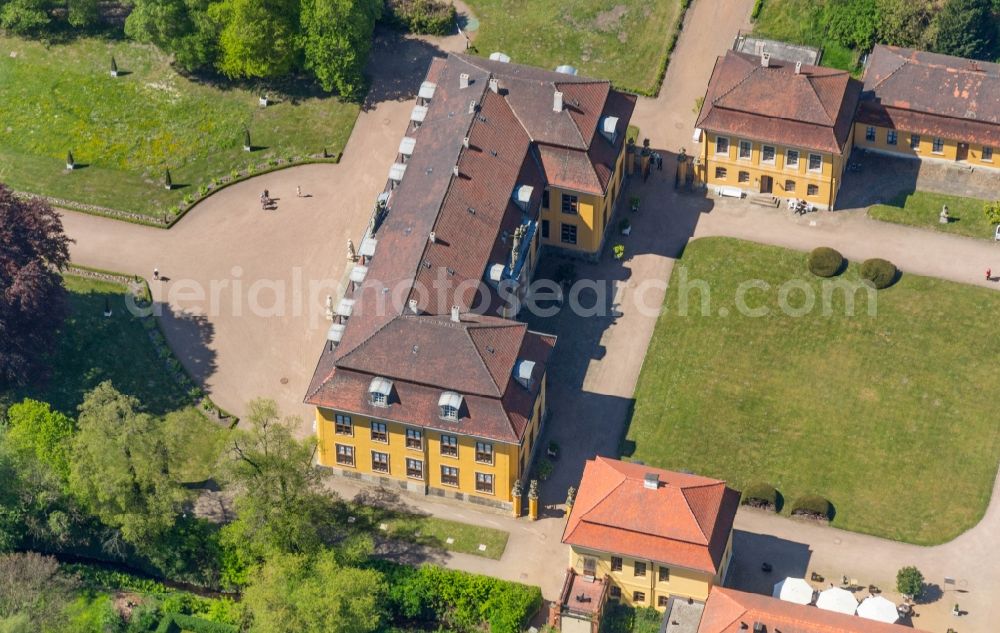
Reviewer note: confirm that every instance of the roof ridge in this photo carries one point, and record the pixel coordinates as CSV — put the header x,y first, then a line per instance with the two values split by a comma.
x,y
687,504
482,362
734,87
904,60
831,117
367,339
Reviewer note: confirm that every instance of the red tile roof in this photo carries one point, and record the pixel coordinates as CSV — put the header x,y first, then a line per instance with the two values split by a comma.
x,y
472,216
812,109
686,521
932,95
726,610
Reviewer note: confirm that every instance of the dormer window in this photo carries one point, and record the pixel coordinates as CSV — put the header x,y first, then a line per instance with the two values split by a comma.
x,y
379,391
450,405
524,373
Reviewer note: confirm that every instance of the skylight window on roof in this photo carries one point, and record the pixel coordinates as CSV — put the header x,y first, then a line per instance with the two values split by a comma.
x,y
397,171
450,404
406,145
427,89
418,114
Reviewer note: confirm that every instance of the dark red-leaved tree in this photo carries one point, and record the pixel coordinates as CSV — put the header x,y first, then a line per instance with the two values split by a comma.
x,y
33,249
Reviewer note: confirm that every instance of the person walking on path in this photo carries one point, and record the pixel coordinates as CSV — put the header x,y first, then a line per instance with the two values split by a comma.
x,y
298,191
989,274
156,274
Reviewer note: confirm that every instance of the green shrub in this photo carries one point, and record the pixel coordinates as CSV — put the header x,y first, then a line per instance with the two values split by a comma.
x,y
456,600
758,5
881,272
760,495
813,506
429,17
910,582
177,622
543,469
825,261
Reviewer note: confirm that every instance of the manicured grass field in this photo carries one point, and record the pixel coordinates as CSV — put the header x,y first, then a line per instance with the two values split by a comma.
x,y
800,22
126,131
621,40
922,208
891,417
430,531
90,349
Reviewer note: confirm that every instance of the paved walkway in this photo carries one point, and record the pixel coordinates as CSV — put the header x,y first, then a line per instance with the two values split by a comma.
x,y
267,259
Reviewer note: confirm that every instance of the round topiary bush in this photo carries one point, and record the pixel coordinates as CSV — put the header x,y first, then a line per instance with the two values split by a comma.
x,y
825,261
760,495
880,272
813,506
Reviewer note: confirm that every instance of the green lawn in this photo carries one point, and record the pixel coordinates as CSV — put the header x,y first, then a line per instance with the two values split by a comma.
x,y
430,531
892,417
127,131
625,41
800,22
90,349
922,208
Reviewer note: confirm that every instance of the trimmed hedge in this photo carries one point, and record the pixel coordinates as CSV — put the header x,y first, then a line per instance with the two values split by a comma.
x,y
825,261
456,600
424,17
758,5
881,272
760,495
813,506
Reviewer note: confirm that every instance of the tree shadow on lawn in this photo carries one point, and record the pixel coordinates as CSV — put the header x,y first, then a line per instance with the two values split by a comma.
x,y
189,336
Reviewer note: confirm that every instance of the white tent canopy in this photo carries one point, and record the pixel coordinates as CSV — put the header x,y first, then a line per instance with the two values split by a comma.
x,y
795,590
879,609
837,599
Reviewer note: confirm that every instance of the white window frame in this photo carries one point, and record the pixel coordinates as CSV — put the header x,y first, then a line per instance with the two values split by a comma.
x,y
870,131
388,460
420,462
774,154
739,151
484,448
482,479
450,470
809,164
348,452
415,434
726,140
789,163
384,432
451,441
340,420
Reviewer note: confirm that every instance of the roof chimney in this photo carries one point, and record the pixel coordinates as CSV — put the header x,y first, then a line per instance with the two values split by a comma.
x,y
455,314
472,107
454,170
433,237
494,85
412,304
465,142
651,481
463,81
798,68
557,101
765,59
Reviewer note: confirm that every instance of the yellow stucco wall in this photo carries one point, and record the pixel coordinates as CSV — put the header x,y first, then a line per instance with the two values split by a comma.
x,y
507,458
788,181
681,581
592,218
925,147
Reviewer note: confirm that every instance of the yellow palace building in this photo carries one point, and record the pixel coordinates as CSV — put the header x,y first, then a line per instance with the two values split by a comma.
x,y
774,127
427,381
930,106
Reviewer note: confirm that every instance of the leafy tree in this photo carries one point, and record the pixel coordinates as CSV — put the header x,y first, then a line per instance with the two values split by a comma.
x,y
966,28
83,13
180,27
34,427
910,582
852,23
336,39
119,466
24,17
992,211
904,22
296,593
257,38
33,592
281,503
32,298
